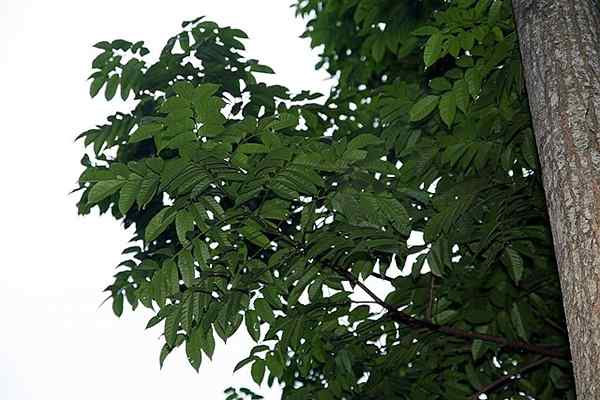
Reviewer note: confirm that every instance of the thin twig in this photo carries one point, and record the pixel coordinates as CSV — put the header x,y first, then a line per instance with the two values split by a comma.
x,y
505,380
384,277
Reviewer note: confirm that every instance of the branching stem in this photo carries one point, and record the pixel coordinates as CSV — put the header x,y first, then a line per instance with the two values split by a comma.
x,y
411,321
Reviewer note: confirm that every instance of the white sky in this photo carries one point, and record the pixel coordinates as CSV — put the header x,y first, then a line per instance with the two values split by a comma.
x,y
54,341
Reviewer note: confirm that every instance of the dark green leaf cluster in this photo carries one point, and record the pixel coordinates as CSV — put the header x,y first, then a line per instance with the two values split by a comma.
x,y
255,206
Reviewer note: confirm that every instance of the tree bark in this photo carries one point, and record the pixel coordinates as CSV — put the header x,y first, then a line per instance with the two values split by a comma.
x,y
560,49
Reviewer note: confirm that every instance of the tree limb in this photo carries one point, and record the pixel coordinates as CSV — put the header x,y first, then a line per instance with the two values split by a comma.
x,y
409,320
507,378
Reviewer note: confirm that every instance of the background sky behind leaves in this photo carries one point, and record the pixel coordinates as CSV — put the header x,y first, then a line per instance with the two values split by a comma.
x,y
55,343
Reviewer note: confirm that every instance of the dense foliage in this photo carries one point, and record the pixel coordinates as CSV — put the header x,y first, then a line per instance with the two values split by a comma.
x,y
291,213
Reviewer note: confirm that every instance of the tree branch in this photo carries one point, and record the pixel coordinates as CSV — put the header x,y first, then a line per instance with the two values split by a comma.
x,y
384,277
411,321
507,378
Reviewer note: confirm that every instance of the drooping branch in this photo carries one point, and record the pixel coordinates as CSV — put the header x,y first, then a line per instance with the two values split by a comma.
x,y
411,321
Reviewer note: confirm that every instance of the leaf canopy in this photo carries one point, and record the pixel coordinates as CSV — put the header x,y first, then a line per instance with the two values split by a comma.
x,y
253,204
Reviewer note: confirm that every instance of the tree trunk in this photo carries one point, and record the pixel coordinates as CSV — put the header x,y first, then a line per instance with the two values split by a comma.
x,y
560,48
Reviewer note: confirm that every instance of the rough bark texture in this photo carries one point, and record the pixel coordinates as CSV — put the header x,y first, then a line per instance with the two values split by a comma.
x,y
560,48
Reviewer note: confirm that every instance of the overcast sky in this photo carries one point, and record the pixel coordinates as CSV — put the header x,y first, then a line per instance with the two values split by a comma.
x,y
55,343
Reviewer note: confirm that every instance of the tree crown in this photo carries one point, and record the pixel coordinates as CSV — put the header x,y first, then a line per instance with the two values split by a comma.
x,y
291,213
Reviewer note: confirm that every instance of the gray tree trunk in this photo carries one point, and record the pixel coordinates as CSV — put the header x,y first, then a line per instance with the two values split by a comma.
x,y
560,48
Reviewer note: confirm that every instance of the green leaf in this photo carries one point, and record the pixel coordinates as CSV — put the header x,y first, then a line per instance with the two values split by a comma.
x,y
97,84
129,192
274,365
147,189
360,313
171,275
473,79
186,267
145,132
461,95
423,107
214,206
284,121
426,31
103,45
130,71
206,90
465,61
437,258
433,49
171,326
447,108
201,251
453,46
355,155
243,362
396,213
252,324
164,352
117,304
263,69
444,317
477,349
258,371
407,47
467,40
184,41
193,349
111,87
158,224
276,209
454,73
364,140
529,150
378,50
184,223
517,320
343,359
299,288
252,148
478,312
440,84
253,234
103,189
513,261
264,309
208,343
495,10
